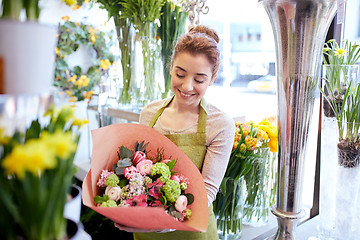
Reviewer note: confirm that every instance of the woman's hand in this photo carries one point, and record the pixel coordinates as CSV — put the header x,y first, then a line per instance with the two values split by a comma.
x,y
131,229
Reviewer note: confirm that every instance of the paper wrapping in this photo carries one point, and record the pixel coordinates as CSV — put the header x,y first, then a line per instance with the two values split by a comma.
x,y
106,143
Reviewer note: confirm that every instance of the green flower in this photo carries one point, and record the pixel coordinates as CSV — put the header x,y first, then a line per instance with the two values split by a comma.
x,y
188,213
183,186
172,190
161,169
109,203
112,180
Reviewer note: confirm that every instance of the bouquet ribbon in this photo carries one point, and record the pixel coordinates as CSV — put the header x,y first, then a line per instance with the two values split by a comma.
x,y
106,141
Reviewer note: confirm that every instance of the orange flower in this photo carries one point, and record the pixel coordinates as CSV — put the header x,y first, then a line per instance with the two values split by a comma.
x,y
251,143
65,18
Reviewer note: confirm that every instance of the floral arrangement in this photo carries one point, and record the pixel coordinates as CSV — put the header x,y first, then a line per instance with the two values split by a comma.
x,y
249,139
36,170
76,82
341,92
140,180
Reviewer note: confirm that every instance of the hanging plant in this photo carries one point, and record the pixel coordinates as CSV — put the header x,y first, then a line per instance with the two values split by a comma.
x,y
78,83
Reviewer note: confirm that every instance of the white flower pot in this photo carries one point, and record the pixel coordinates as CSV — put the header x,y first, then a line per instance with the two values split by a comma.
x,y
27,57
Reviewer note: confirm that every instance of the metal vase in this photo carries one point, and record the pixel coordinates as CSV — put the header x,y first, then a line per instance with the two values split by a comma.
x,y
299,28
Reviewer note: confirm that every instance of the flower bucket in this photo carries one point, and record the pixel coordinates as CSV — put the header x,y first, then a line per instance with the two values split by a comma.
x,y
228,208
27,53
348,146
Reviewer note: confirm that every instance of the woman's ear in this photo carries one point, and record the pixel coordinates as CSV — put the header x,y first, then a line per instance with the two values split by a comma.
x,y
212,80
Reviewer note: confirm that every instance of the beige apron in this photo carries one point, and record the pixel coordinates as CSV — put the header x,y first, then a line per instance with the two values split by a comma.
x,y
193,145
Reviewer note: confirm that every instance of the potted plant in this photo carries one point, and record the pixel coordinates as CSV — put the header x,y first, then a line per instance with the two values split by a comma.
x,y
36,170
341,91
26,48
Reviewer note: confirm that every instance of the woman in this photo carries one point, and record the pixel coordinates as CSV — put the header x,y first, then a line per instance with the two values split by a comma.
x,y
200,130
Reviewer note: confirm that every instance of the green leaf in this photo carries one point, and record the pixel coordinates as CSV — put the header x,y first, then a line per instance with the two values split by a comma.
x,y
190,198
125,152
123,182
34,130
98,199
171,164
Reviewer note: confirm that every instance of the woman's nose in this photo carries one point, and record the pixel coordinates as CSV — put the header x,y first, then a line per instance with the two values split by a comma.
x,y
187,84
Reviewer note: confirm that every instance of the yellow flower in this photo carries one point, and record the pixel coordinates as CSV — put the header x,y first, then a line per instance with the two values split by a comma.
x,y
83,81
61,143
3,138
69,93
261,135
57,51
86,1
88,94
250,143
340,52
72,79
272,144
79,122
105,64
75,7
93,38
70,2
65,18
34,157
77,24
73,99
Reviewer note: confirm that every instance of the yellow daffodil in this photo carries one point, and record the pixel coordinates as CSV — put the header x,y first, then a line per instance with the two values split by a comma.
x,y
34,157
340,52
73,99
69,93
79,122
65,18
57,51
105,64
61,143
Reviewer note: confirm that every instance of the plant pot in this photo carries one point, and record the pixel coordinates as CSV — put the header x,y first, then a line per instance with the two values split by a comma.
x,y
72,207
27,52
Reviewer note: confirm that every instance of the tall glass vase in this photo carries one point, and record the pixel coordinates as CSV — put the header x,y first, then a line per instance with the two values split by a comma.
x,y
258,189
150,87
228,208
299,28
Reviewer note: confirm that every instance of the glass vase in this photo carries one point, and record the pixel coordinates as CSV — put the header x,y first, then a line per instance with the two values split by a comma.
x,y
150,83
258,182
228,208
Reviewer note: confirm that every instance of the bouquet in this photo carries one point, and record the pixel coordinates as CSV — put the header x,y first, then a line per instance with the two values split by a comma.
x,y
36,170
137,179
250,139
124,184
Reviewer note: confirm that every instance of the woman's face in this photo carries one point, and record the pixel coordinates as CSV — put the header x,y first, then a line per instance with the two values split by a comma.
x,y
190,77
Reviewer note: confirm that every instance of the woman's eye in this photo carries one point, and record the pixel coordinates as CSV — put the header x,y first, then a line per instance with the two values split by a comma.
x,y
199,81
179,75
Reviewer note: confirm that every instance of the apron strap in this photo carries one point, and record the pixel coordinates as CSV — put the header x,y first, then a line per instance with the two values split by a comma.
x,y
202,115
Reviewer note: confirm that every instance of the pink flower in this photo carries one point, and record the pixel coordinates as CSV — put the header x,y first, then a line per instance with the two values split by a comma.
x,y
129,172
137,157
175,178
181,177
113,193
155,203
144,167
138,201
181,203
103,176
154,188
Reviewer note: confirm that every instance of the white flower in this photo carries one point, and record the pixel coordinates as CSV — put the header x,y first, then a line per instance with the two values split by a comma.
x,y
113,193
181,203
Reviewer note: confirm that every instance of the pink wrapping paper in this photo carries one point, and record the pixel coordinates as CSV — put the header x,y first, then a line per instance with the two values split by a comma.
x,y
106,142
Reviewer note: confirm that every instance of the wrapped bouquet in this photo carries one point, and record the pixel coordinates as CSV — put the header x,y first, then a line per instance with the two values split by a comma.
x,y
138,179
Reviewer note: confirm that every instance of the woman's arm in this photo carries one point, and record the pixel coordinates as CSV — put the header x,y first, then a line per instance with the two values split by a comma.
x,y
220,131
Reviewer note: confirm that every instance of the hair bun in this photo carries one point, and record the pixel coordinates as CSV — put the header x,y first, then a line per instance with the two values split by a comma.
x,y
205,30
